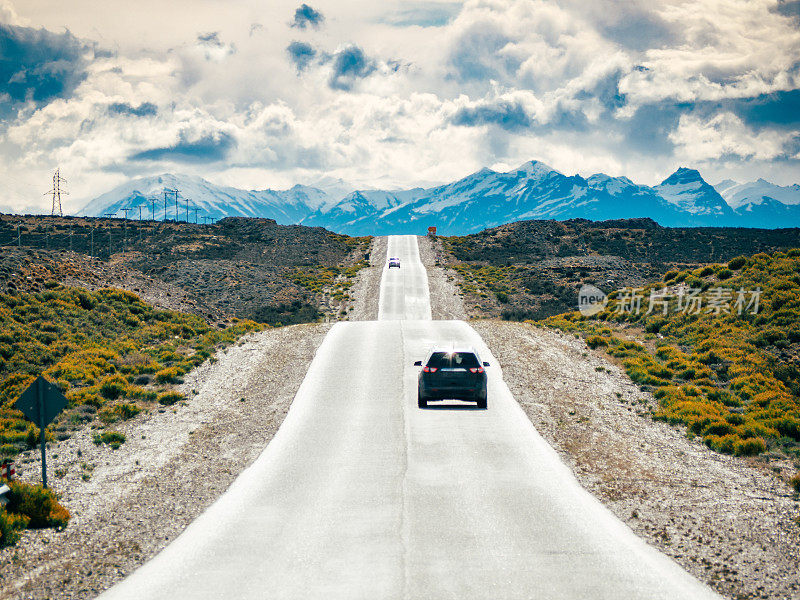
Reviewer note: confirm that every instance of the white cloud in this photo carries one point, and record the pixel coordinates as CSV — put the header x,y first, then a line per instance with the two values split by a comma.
x,y
9,16
726,134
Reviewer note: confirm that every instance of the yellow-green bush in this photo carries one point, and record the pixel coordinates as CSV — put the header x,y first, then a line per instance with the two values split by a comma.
x,y
112,438
170,398
36,503
718,374
10,526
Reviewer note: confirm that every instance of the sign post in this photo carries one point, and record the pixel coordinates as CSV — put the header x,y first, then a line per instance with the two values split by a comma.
x,y
41,403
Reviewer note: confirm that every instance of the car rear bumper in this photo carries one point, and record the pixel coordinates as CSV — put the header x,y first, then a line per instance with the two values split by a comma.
x,y
459,393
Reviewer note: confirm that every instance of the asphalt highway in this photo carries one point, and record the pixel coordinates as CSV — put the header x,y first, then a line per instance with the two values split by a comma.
x,y
362,495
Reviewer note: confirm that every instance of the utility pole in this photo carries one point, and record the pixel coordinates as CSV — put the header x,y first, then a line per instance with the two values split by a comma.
x,y
187,210
125,228
56,193
169,191
140,212
196,210
19,235
153,209
205,220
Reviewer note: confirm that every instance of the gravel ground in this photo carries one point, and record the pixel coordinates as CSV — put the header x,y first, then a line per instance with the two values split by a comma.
x,y
127,504
366,289
729,521
446,297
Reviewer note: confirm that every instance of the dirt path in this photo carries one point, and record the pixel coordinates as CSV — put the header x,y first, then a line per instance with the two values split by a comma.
x,y
127,504
727,520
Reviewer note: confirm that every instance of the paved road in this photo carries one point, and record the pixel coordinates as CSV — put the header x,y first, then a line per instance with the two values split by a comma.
x,y
363,495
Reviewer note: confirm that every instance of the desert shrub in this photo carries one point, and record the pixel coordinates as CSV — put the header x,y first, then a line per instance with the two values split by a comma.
x,y
10,526
167,375
169,398
119,412
749,447
112,438
670,275
724,444
724,274
36,503
113,387
737,263
795,482
596,341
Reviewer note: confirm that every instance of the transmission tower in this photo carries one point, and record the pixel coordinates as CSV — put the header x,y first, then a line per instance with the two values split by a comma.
x,y
56,192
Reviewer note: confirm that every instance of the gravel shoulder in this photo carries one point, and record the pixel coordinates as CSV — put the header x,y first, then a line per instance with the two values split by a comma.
x,y
729,521
366,290
446,297
127,504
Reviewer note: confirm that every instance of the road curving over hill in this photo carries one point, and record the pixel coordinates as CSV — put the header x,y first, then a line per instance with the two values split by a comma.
x,y
361,494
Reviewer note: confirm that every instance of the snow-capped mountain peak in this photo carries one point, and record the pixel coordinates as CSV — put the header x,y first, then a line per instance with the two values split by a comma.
x,y
533,169
687,190
756,192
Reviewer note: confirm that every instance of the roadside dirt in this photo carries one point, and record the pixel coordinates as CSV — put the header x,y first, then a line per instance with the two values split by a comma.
x,y
446,297
367,287
729,521
127,504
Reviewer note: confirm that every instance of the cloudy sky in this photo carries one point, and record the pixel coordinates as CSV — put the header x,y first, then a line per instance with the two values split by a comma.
x,y
395,93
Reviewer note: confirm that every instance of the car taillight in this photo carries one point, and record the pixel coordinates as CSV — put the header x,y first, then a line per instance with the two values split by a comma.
x,y
428,369
476,370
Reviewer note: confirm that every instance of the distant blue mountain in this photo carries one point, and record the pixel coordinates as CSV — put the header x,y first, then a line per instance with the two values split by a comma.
x,y
483,199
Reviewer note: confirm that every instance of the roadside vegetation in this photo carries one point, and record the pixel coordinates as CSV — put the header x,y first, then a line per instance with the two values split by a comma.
x,y
727,371
29,506
111,354
334,282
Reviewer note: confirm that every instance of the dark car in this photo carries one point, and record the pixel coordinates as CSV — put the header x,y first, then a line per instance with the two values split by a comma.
x,y
394,262
455,373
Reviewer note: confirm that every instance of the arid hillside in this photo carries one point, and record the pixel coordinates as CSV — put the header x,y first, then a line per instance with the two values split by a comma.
x,y
533,269
244,268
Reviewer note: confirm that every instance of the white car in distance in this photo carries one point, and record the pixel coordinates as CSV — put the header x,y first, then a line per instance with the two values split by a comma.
x,y
394,262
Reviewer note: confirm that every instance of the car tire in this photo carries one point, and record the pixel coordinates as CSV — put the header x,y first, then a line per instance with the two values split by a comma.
x,y
421,401
482,402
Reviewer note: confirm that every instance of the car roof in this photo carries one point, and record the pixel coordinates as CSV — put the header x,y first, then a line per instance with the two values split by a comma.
x,y
453,348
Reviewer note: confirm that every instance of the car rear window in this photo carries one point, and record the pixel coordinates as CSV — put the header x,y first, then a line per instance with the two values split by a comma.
x,y
445,360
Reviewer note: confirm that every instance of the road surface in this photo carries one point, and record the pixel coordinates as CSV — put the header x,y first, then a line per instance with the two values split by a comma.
x,y
362,495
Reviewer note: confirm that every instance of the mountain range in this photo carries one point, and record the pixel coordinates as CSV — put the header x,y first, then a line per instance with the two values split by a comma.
x,y
483,199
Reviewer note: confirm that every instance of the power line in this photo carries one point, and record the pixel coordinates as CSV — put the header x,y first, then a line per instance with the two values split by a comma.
x,y
56,193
